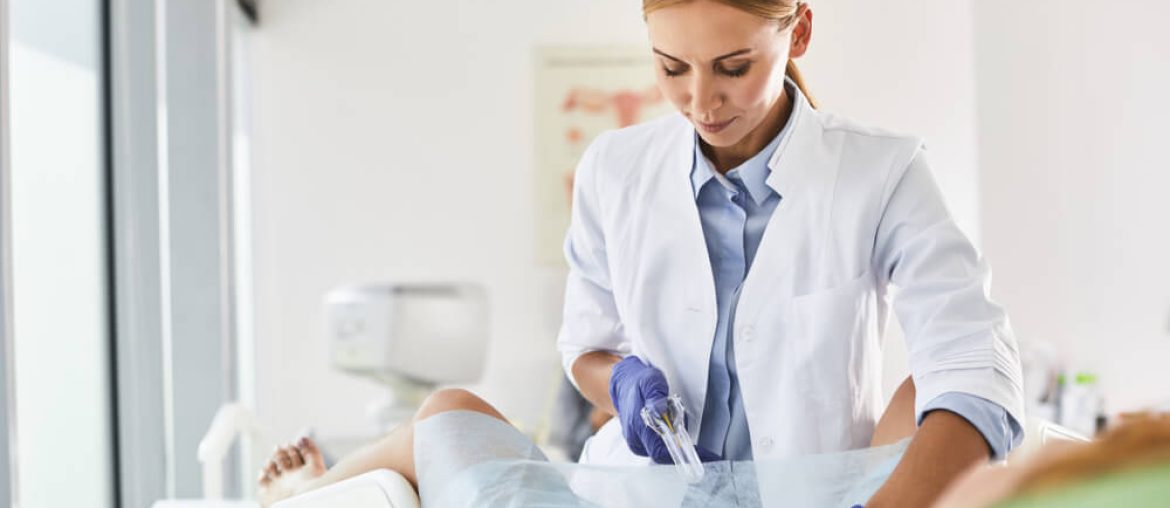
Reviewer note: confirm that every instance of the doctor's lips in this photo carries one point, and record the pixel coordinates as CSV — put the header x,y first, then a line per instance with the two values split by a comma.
x,y
714,127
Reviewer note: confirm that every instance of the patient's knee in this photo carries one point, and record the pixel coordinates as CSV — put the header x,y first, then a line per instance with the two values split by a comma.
x,y
454,399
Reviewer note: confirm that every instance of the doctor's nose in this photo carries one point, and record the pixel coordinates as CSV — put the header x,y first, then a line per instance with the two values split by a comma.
x,y
705,99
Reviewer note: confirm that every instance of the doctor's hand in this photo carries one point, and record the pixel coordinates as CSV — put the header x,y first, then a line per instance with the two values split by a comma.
x,y
632,383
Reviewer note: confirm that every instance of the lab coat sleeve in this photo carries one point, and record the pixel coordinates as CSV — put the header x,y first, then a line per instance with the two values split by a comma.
x,y
1001,431
958,339
591,321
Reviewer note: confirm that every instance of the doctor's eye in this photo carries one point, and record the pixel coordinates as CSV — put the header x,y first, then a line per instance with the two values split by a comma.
x,y
673,72
736,72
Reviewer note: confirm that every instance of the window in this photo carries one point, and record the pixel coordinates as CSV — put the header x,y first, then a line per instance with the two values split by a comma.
x,y
61,367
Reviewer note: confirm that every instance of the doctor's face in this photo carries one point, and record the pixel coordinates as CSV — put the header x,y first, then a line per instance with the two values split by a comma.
x,y
723,68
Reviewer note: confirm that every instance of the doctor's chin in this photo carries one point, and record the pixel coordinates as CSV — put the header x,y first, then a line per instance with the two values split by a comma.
x,y
615,253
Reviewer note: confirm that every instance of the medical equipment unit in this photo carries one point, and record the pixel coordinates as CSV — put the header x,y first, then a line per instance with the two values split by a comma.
x,y
410,337
667,417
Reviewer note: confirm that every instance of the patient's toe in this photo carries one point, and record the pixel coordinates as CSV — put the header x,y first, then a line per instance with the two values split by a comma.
x,y
283,460
294,454
271,471
311,455
290,458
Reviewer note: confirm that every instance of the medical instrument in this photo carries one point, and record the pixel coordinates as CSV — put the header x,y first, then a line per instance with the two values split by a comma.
x,y
410,337
667,417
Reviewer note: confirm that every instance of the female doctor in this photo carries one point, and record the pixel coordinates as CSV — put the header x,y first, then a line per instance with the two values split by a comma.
x,y
740,253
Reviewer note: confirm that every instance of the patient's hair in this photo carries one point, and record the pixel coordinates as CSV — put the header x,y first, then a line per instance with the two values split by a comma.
x,y
1139,441
783,12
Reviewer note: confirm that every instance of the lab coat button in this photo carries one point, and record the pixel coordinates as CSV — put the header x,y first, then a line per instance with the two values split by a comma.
x,y
749,333
765,443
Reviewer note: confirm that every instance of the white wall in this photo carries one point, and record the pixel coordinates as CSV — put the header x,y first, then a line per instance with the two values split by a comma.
x,y
906,65
393,140
1075,172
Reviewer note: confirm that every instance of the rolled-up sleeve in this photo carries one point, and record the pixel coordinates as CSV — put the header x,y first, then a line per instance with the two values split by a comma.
x,y
959,341
999,429
591,321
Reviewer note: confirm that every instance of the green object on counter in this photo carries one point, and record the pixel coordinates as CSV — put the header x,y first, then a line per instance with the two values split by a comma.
x,y
1147,487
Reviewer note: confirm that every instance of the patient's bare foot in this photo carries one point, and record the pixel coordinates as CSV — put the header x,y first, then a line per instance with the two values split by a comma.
x,y
289,470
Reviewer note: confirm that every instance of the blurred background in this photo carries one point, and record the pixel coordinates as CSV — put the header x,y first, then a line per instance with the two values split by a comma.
x,y
304,215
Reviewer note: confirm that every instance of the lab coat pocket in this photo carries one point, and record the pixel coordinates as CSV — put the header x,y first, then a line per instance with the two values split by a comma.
x,y
826,320
832,348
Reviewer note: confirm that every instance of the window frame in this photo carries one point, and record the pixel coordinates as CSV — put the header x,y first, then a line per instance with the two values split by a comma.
x,y
7,431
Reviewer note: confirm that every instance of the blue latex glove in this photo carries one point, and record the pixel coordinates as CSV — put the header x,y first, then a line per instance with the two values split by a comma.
x,y
632,383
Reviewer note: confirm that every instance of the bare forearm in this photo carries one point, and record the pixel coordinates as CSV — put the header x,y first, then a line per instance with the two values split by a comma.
x,y
591,371
943,447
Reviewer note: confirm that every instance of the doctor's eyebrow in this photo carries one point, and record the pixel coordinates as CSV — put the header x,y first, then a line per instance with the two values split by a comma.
x,y
718,58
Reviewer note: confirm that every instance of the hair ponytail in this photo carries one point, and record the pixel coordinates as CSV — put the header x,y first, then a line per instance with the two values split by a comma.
x,y
794,73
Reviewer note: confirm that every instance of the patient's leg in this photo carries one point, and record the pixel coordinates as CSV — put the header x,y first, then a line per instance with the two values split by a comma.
x,y
897,422
298,468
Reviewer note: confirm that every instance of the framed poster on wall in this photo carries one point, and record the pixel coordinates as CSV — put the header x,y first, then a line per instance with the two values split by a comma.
x,y
581,92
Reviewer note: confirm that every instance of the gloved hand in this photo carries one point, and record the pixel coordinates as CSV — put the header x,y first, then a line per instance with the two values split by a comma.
x,y
633,383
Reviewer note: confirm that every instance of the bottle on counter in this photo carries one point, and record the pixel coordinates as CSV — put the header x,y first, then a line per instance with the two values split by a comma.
x,y
1081,407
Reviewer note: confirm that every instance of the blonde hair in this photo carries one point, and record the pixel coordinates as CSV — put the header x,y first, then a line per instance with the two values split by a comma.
x,y
784,12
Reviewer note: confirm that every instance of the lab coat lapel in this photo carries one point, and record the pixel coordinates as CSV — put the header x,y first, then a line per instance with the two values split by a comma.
x,y
701,273
803,173
696,293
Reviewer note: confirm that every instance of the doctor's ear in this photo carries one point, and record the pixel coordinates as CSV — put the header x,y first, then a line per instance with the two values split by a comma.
x,y
801,32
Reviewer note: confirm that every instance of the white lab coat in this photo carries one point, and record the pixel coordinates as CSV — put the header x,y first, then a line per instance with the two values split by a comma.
x,y
860,217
